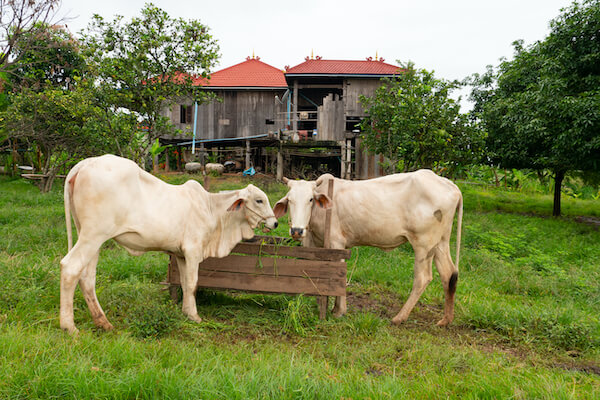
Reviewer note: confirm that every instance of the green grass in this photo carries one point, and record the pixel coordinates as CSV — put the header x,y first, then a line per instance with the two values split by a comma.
x,y
526,324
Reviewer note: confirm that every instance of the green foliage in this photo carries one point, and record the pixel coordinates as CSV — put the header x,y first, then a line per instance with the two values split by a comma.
x,y
542,109
64,125
411,119
21,19
48,57
153,320
145,63
298,316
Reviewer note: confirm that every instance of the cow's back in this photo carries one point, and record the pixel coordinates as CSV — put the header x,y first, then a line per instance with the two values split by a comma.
x,y
112,196
386,211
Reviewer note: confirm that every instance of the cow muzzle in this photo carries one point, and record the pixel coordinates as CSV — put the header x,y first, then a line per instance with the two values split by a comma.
x,y
271,223
297,233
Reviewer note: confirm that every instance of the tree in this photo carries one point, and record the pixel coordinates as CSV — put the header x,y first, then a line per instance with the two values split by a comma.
x,y
412,121
47,56
53,106
64,125
144,64
19,18
541,110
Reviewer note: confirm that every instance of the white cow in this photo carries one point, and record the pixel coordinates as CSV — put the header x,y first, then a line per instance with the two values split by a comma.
x,y
417,207
112,198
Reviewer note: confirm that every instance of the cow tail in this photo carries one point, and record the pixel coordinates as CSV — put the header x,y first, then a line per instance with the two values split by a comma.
x,y
68,214
459,217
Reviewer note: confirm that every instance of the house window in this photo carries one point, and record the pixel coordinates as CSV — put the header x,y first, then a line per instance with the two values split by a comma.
x,y
185,114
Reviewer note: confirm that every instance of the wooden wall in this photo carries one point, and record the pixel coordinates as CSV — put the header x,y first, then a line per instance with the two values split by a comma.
x,y
353,88
367,165
331,119
239,113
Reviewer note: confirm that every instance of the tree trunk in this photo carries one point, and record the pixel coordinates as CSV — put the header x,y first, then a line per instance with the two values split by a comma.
x,y
496,177
558,178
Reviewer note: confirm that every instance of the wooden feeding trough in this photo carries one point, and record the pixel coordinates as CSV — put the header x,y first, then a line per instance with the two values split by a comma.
x,y
265,264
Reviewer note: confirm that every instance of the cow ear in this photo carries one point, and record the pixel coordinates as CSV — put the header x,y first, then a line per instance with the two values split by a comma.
x,y
323,200
236,205
280,207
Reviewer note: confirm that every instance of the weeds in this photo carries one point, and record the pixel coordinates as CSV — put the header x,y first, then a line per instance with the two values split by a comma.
x,y
298,316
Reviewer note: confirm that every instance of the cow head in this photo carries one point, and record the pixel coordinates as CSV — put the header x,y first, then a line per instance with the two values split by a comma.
x,y
300,200
256,207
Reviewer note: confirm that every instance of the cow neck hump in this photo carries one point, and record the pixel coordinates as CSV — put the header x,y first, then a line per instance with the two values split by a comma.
x,y
231,226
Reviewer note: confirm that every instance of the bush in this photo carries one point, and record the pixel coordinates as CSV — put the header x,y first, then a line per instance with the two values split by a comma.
x,y
154,321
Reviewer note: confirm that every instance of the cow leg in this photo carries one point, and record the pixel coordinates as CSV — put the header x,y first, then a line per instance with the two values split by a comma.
x,y
87,283
71,267
449,276
340,307
188,269
422,278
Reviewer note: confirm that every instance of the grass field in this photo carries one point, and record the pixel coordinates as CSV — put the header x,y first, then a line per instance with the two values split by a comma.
x,y
526,327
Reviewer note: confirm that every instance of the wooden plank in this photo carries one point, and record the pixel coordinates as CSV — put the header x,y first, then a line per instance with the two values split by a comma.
x,y
307,253
322,301
276,267
266,239
269,284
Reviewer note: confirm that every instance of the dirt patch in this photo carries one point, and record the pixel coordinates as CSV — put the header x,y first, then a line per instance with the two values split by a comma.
x,y
587,367
593,221
386,305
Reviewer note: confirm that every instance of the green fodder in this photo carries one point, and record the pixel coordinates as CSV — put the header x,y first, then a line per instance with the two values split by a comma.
x,y
298,316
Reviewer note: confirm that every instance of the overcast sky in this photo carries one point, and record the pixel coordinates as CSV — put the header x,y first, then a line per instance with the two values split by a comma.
x,y
454,38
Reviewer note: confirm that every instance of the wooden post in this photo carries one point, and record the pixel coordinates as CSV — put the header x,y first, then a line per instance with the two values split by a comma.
x,y
295,109
279,165
167,169
206,183
171,272
343,166
323,300
247,154
202,153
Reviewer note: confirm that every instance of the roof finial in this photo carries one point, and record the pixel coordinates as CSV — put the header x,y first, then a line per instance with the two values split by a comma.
x,y
312,57
376,56
253,54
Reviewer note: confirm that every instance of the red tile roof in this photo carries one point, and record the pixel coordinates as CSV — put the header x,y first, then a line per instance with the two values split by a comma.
x,y
250,73
343,67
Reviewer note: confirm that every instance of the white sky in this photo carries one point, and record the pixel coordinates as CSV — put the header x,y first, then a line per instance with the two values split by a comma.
x,y
454,38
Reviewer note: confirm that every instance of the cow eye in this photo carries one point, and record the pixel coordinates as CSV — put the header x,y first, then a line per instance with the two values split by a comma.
x,y
259,201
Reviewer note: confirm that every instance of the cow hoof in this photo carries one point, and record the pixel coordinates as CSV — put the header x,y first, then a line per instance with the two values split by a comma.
x,y
195,318
107,326
444,322
71,330
104,324
337,313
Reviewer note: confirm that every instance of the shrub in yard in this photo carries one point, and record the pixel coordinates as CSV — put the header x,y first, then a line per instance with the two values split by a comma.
x,y
298,316
153,321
